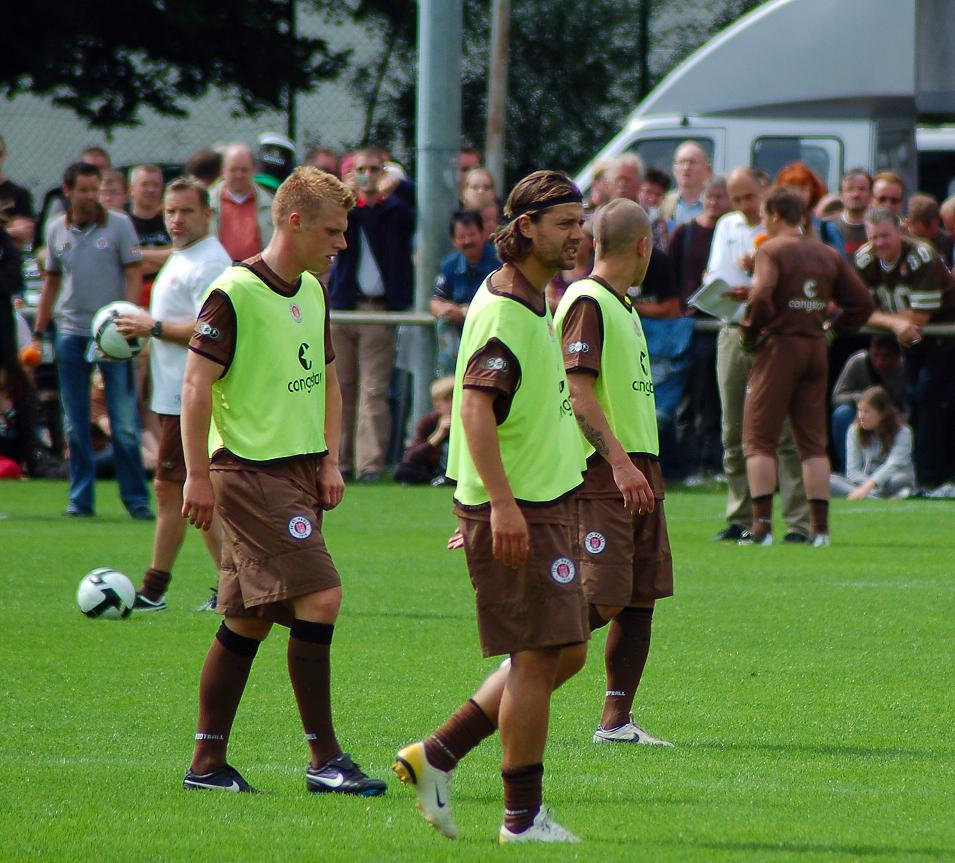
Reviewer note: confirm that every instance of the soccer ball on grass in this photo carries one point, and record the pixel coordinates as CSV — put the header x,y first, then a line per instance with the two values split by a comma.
x,y
106,594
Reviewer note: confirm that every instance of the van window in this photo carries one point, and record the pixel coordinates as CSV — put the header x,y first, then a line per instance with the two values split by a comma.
x,y
658,152
895,151
823,155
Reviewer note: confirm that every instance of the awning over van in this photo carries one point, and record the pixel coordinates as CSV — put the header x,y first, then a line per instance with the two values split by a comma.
x,y
819,57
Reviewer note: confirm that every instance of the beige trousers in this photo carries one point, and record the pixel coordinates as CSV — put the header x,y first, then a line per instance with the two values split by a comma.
x,y
364,359
732,372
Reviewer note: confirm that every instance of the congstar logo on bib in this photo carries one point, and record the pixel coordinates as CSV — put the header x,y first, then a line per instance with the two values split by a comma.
x,y
310,381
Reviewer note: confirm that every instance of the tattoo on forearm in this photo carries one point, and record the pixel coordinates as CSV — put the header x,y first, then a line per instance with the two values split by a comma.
x,y
595,437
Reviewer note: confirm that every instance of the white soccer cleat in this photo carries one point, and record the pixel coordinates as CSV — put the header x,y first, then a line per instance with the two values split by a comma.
x,y
820,540
543,829
629,732
432,786
749,538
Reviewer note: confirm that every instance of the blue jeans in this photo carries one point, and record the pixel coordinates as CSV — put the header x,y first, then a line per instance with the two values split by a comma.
x,y
842,417
120,388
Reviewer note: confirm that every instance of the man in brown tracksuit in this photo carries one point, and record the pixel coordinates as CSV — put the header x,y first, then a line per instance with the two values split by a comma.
x,y
785,324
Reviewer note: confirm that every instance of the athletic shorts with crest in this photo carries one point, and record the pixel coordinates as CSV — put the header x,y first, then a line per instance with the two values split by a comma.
x,y
623,558
272,545
540,604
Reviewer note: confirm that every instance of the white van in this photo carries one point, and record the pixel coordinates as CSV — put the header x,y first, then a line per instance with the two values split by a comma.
x,y
836,85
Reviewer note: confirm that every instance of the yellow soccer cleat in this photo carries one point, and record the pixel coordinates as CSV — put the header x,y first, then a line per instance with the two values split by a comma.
x,y
432,786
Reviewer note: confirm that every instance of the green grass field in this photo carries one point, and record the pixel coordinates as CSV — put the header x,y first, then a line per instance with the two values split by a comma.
x,y
810,694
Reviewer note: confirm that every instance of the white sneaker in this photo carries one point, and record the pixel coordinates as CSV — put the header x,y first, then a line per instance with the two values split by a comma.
x,y
543,829
629,732
432,786
820,540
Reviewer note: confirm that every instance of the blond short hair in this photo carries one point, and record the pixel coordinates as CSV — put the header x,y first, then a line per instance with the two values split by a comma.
x,y
305,191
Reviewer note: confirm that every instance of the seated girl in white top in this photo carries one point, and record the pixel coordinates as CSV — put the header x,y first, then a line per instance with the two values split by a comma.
x,y
878,451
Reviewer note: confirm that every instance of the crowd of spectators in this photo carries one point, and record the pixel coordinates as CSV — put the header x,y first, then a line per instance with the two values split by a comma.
x,y
705,227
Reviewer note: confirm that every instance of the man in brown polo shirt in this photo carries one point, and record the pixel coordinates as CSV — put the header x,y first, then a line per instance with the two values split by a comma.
x,y
795,279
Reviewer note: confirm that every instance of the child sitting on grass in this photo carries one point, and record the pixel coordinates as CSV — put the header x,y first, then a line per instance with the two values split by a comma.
x,y
426,456
878,451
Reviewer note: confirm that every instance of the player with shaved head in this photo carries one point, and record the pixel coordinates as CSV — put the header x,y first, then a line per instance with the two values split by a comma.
x,y
623,550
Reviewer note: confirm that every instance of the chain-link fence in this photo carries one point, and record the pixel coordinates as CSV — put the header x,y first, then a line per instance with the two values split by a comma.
x,y
43,138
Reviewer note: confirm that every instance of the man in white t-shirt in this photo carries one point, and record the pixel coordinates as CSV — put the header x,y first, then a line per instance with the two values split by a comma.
x,y
731,259
196,261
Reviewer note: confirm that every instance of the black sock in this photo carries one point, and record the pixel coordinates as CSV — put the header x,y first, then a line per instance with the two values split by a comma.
x,y
464,730
309,669
762,515
523,790
155,583
221,684
625,656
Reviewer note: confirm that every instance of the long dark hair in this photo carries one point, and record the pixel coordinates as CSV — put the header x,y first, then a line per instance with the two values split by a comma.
x,y
890,420
531,195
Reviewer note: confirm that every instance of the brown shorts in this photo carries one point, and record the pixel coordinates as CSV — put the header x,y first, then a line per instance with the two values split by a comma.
x,y
539,605
171,465
788,378
623,558
272,545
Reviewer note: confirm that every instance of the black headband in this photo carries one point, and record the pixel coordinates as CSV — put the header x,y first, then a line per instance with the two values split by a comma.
x,y
570,198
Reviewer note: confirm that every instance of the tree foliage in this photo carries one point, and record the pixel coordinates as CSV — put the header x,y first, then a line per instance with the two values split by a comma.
x,y
106,60
574,70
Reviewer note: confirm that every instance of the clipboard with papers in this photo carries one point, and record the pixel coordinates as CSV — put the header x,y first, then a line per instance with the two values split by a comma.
x,y
710,299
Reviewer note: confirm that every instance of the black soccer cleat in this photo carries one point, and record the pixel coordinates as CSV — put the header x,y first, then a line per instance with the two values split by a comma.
x,y
731,533
342,776
224,779
144,603
794,537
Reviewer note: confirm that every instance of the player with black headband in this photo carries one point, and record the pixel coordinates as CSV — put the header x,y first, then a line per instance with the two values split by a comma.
x,y
517,458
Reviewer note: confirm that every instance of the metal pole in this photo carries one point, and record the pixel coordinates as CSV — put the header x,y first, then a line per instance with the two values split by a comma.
x,y
497,91
291,119
440,28
644,47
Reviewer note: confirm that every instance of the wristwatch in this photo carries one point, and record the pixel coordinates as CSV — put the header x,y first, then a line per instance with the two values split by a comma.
x,y
156,331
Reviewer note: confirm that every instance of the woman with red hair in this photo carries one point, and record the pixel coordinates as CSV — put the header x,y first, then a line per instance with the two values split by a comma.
x,y
805,182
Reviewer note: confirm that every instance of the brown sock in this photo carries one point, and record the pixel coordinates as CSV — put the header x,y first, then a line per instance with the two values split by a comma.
x,y
597,620
223,679
522,795
464,730
762,515
155,582
625,655
309,669
819,516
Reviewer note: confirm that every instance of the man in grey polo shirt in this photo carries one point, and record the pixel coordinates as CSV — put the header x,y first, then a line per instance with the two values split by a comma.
x,y
93,258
